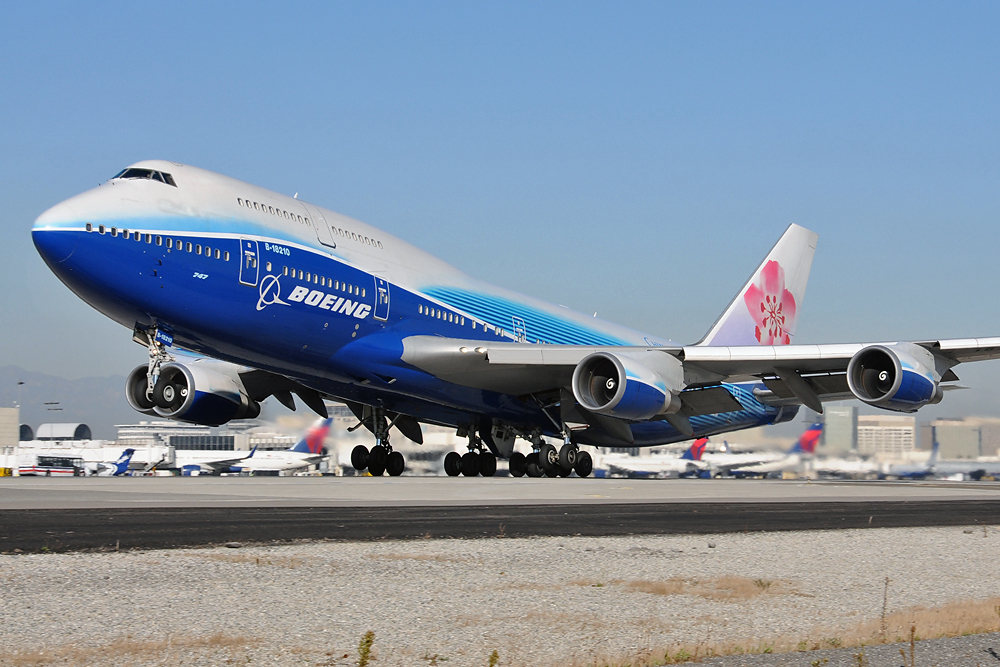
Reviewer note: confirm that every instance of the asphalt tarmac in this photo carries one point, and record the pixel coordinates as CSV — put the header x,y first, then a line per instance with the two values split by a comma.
x,y
38,514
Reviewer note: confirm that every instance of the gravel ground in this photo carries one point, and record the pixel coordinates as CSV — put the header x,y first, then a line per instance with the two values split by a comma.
x,y
539,601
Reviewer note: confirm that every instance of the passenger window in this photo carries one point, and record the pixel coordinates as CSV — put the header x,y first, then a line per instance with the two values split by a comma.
x,y
268,265
197,249
300,274
159,240
300,218
362,292
225,256
218,254
308,276
316,280
208,251
170,244
180,244
137,236
90,227
124,233
307,221
284,271
149,238
336,284
100,229
463,322
286,215
270,209
114,230
239,201
189,246
379,245
420,308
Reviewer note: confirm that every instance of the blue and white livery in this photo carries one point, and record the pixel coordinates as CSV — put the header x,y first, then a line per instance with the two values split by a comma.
x,y
281,297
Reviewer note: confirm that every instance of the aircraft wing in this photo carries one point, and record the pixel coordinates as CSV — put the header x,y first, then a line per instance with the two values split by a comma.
x,y
792,374
224,464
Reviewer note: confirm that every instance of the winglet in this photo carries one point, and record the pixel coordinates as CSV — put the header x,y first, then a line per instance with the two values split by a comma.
x,y
766,309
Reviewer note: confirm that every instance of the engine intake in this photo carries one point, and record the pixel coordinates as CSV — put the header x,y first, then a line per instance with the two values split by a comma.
x,y
621,386
898,377
203,392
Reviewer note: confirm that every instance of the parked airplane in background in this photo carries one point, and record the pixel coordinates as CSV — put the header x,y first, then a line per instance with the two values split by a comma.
x,y
285,298
919,471
687,464
804,447
308,451
114,468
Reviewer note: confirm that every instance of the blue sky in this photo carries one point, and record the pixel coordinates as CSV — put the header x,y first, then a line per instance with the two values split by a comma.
x,y
637,160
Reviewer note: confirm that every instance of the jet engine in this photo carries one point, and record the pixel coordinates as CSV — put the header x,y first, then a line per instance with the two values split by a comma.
x,y
202,392
900,377
623,386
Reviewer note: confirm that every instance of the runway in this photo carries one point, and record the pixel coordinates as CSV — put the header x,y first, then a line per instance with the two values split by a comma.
x,y
112,513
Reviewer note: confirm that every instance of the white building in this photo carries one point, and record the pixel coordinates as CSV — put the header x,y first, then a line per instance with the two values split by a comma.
x,y
891,436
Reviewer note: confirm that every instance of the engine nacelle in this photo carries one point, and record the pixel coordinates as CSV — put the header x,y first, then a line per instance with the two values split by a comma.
x,y
622,386
202,392
900,377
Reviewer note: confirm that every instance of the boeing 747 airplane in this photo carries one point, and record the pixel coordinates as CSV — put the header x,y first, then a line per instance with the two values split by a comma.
x,y
282,297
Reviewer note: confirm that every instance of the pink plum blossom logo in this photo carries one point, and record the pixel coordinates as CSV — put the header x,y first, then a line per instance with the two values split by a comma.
x,y
771,306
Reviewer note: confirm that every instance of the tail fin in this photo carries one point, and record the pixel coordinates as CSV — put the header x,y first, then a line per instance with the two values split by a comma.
x,y
696,450
121,465
765,310
808,440
932,461
312,442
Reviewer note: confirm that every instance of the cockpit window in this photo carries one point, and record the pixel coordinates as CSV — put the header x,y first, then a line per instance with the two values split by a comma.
x,y
146,174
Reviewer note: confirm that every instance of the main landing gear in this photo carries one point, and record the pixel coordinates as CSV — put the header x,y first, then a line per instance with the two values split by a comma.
x,y
477,461
548,461
381,459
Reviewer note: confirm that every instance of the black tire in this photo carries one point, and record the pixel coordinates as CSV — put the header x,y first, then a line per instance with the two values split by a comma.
x,y
565,473
359,457
377,457
395,464
517,465
531,465
375,470
584,464
487,464
453,464
470,465
548,460
567,458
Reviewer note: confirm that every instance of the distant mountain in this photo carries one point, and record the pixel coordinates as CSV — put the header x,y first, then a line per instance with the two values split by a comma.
x,y
98,402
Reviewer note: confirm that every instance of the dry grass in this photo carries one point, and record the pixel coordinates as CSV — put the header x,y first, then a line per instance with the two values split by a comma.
x,y
124,649
289,562
437,558
724,589
951,620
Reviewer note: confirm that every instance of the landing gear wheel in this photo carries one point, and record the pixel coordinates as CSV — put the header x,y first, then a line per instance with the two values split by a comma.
x,y
531,465
584,464
377,459
565,473
470,464
453,464
548,460
517,465
487,464
567,457
395,464
359,457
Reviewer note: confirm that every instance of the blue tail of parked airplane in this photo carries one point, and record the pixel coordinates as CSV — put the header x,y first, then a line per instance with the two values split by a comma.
x,y
120,466
312,442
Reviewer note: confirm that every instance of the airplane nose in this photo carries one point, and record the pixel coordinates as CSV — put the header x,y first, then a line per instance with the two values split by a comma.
x,y
54,242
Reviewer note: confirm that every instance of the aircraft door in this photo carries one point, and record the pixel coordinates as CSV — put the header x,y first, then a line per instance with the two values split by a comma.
x,y
248,262
323,232
381,299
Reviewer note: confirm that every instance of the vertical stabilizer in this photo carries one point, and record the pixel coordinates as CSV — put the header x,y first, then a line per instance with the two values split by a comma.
x,y
932,461
807,442
766,309
695,451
